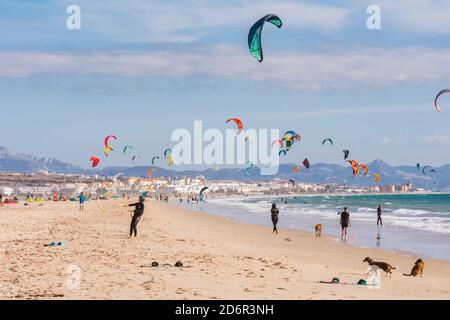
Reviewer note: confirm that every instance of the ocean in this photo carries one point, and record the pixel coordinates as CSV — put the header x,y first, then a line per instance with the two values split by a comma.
x,y
413,223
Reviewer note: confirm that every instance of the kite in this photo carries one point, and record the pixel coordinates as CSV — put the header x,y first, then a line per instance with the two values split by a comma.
x,y
151,172
153,159
254,35
95,161
346,153
329,140
282,151
425,168
117,176
170,160
306,163
280,142
365,169
126,149
290,133
377,177
108,147
437,97
250,165
201,194
135,157
168,150
238,122
296,169
289,144
292,181
355,166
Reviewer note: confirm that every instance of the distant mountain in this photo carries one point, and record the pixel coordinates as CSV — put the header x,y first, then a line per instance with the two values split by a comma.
x,y
317,173
18,162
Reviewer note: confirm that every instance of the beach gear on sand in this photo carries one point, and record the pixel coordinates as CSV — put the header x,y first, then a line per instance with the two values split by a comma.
x,y
55,244
361,282
178,264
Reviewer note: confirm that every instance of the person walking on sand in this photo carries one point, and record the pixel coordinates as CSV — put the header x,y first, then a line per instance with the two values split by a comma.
x,y
138,212
274,212
379,220
82,200
345,223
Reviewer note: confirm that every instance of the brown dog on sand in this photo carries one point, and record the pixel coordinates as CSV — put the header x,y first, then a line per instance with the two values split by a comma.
x,y
386,267
318,230
417,269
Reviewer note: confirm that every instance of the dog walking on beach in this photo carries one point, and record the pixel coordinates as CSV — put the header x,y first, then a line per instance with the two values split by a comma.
x,y
318,229
386,267
138,212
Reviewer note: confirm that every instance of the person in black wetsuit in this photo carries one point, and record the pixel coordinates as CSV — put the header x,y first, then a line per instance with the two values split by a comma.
x,y
345,223
379,220
138,212
274,212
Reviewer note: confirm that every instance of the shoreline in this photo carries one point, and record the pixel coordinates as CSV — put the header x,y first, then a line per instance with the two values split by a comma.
x,y
223,259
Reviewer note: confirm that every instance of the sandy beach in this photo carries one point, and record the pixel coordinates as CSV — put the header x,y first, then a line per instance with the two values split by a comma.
x,y
223,259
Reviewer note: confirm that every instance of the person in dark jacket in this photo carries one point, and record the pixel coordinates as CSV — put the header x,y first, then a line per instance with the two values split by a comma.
x,y
274,212
138,212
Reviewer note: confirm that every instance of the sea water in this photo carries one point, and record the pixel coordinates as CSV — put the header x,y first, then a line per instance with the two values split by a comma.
x,y
414,223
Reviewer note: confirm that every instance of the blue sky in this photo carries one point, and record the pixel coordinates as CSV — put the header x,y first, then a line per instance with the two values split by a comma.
x,y
140,69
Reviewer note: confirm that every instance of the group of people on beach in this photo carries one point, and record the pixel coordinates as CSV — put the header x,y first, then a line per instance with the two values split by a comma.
x,y
345,221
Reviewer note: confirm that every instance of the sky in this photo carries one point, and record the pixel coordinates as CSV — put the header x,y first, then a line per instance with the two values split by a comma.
x,y
141,69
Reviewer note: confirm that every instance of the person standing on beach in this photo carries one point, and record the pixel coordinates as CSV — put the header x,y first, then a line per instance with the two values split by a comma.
x,y
82,200
274,212
138,212
345,223
379,221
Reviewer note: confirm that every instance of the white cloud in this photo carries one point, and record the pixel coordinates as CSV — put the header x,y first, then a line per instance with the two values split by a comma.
x,y
436,139
167,21
354,67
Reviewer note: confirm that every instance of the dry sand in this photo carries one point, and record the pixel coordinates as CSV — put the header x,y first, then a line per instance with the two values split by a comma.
x,y
223,259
